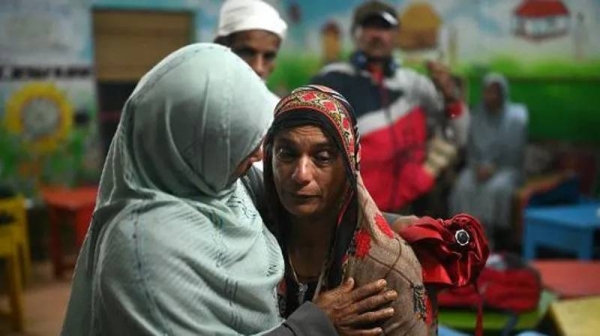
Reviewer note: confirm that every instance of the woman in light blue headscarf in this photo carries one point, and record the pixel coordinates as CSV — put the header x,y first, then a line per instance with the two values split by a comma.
x,y
176,246
495,153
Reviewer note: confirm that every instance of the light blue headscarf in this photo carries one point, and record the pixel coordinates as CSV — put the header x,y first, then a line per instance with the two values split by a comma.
x,y
498,138
176,246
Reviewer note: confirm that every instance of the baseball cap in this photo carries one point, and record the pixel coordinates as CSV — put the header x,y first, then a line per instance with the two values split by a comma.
x,y
374,9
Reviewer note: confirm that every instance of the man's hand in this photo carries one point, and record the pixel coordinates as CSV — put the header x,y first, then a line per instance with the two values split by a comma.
x,y
440,155
442,79
351,309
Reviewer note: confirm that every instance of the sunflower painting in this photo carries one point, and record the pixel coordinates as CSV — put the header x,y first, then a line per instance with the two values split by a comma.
x,y
40,114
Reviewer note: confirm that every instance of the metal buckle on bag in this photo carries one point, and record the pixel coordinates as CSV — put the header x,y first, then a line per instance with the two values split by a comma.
x,y
462,237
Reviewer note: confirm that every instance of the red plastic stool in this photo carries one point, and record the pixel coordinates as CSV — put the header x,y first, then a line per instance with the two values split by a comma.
x,y
75,207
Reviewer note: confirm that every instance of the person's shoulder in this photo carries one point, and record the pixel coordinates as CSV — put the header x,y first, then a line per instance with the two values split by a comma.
x,y
158,226
156,242
339,68
408,74
336,75
274,98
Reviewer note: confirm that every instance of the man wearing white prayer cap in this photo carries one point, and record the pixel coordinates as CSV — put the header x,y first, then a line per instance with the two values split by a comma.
x,y
254,30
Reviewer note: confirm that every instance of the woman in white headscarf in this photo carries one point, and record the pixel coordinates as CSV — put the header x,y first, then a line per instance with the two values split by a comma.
x,y
495,153
176,246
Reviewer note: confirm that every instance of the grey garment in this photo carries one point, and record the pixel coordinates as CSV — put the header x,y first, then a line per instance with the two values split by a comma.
x,y
497,140
144,279
125,280
307,320
489,201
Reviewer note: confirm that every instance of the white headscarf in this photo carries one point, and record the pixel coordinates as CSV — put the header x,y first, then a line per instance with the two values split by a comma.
x,y
241,15
176,246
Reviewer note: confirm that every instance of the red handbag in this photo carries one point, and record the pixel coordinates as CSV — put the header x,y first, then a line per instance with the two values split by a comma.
x,y
508,284
452,252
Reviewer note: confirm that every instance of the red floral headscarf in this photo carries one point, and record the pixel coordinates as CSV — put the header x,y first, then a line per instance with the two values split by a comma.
x,y
364,247
361,232
323,107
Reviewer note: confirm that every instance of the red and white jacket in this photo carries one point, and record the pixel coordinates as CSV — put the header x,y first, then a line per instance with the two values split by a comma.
x,y
396,116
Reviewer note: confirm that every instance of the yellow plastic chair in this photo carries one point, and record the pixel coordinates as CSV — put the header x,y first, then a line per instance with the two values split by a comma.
x,y
577,317
15,207
9,251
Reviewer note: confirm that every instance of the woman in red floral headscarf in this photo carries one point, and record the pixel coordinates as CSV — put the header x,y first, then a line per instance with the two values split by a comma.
x,y
330,229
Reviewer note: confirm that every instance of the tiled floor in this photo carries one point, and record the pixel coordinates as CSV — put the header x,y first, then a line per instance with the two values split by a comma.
x,y
45,304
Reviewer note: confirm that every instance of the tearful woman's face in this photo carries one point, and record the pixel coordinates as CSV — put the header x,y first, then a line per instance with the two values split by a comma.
x,y
308,171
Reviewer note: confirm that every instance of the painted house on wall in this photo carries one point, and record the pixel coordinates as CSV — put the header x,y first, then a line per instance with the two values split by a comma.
x,y
419,28
541,19
331,44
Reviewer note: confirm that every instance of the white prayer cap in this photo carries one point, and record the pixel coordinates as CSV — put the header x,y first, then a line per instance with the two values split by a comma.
x,y
241,15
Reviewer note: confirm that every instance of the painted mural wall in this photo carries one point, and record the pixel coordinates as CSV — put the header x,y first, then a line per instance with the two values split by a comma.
x,y
48,104
46,93
550,50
